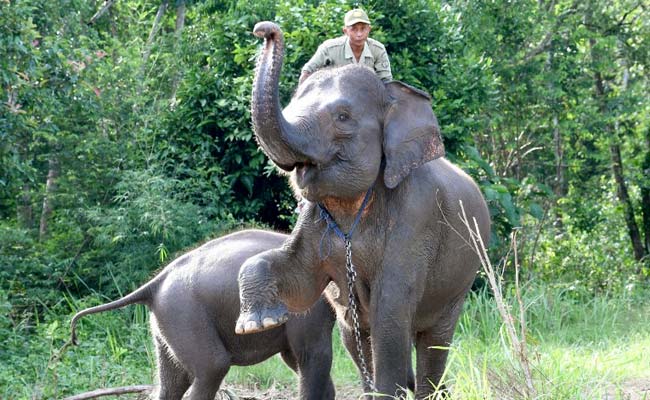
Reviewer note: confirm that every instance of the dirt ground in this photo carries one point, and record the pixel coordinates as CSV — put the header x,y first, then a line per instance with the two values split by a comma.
x,y
636,389
349,392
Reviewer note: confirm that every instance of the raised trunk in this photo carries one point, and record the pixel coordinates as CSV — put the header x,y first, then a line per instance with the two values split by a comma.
x,y
272,130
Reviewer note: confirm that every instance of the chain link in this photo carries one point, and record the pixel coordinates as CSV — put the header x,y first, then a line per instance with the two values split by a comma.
x,y
352,277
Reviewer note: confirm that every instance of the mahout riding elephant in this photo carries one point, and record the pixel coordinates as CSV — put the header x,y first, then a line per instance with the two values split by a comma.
x,y
368,158
194,304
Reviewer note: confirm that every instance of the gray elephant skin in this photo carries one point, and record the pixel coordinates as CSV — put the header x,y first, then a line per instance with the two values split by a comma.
x,y
345,132
194,305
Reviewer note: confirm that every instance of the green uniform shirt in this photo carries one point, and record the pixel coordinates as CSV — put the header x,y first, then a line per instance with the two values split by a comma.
x,y
336,52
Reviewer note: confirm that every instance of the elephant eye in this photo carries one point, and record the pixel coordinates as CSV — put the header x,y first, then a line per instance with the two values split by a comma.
x,y
342,117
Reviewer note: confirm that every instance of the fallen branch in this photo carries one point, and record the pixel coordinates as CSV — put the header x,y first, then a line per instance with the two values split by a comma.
x,y
111,392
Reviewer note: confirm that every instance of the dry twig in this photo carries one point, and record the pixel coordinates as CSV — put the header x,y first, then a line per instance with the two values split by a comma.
x,y
518,341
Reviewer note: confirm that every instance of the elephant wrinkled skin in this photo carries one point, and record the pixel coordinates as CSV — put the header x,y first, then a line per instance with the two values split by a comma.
x,y
194,304
344,132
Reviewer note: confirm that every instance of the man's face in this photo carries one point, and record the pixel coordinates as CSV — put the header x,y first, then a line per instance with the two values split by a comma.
x,y
358,33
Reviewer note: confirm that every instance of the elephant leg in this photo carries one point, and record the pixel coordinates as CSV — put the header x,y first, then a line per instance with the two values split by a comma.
x,y
197,345
431,348
275,282
312,353
431,359
206,389
391,345
290,360
314,371
349,340
391,311
173,380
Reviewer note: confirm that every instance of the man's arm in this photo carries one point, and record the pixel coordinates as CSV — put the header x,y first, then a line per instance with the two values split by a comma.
x,y
315,62
382,66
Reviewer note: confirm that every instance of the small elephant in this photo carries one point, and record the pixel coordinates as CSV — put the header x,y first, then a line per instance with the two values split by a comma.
x,y
194,304
368,158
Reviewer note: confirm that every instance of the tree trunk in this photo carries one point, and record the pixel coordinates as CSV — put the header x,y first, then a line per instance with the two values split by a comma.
x,y
154,30
105,7
645,193
25,211
560,170
624,198
560,185
615,154
180,17
180,24
50,188
560,167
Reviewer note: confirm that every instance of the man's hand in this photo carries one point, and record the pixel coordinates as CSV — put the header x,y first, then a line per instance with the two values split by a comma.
x,y
304,75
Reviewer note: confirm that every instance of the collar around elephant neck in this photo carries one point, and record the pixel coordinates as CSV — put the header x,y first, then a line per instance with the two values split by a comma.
x,y
331,223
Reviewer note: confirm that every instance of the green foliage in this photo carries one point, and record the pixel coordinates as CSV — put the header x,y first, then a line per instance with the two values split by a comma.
x,y
593,258
34,352
210,147
156,154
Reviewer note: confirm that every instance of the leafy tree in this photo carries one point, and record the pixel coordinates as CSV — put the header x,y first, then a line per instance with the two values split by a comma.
x,y
125,132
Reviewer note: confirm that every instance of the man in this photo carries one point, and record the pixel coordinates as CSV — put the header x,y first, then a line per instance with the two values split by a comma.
x,y
354,47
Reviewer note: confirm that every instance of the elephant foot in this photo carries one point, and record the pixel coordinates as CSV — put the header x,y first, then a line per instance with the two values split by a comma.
x,y
257,319
261,307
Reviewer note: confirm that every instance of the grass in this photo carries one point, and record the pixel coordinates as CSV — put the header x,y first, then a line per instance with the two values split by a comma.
x,y
580,348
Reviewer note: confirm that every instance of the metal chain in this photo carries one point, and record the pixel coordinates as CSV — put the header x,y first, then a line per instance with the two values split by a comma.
x,y
352,277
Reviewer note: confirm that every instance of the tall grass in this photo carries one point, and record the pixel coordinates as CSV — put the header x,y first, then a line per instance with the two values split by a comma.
x,y
581,348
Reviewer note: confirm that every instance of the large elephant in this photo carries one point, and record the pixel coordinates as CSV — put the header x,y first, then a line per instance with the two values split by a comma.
x,y
347,137
194,305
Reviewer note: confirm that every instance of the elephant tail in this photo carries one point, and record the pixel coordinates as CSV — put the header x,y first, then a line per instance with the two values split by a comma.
x,y
141,295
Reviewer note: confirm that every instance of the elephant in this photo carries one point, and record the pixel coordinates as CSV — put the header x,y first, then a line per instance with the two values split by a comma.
x,y
194,304
368,159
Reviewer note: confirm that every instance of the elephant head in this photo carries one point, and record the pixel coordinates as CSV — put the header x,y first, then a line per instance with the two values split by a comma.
x,y
343,126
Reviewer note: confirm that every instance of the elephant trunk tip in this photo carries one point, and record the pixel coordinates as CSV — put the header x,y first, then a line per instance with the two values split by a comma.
x,y
266,30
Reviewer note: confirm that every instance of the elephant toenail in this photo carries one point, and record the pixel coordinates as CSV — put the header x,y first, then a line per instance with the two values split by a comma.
x,y
269,322
251,326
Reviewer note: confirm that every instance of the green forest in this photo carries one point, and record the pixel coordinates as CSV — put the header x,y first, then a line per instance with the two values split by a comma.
x,y
126,140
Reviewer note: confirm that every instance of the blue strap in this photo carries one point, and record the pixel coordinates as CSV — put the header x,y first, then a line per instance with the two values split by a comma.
x,y
333,226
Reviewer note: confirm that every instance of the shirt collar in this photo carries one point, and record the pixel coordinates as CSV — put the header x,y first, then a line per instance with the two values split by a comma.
x,y
364,53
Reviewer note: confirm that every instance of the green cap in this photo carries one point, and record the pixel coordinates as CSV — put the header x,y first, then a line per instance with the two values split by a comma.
x,y
354,16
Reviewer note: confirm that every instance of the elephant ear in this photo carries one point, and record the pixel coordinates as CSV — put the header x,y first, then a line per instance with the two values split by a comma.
x,y
411,132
